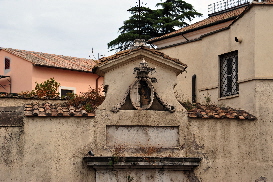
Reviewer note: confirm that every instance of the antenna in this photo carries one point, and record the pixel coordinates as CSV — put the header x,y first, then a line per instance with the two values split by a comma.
x,y
139,10
94,57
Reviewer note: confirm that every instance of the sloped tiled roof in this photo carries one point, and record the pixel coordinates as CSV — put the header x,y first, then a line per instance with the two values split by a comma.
x,y
130,51
230,15
216,112
199,111
47,109
220,17
52,60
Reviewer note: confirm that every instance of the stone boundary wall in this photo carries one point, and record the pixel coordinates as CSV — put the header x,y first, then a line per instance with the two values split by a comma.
x,y
4,102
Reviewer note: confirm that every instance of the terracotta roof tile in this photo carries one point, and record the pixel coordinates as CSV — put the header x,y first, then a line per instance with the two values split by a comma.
x,y
216,112
52,60
54,110
206,22
130,51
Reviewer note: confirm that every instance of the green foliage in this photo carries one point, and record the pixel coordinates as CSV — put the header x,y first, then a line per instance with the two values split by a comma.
x,y
187,105
134,29
153,23
48,88
88,100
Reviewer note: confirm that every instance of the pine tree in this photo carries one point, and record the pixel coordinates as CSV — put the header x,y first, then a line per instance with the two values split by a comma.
x,y
149,23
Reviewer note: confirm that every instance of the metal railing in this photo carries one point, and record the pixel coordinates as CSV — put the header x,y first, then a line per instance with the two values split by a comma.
x,y
225,5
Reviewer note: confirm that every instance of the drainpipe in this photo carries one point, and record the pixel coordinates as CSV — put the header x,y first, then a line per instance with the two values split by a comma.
x,y
97,83
10,84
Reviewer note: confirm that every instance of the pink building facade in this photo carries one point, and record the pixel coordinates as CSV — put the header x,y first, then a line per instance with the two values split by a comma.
x,y
20,70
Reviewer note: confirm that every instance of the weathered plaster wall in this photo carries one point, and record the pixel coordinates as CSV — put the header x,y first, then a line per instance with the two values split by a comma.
x,y
139,119
52,148
5,102
11,153
146,175
232,150
264,97
47,149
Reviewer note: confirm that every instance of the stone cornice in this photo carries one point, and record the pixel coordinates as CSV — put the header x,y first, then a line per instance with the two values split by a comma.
x,y
139,55
170,163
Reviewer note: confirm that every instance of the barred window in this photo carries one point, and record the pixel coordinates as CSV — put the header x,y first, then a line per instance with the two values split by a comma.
x,y
229,74
7,63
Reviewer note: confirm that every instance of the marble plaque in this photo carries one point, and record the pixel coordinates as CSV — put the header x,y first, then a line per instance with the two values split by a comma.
x,y
142,136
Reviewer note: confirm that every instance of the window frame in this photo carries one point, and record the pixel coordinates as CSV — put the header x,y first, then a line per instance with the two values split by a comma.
x,y
73,89
228,74
6,70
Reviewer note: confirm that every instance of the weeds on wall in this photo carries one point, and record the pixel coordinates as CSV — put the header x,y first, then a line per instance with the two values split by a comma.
x,y
187,105
208,99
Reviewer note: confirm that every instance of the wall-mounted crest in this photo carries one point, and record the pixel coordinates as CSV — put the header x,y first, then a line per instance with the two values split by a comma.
x,y
141,94
142,90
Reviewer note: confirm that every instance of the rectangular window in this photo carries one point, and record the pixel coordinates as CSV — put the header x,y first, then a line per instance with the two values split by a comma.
x,y
229,74
64,92
7,63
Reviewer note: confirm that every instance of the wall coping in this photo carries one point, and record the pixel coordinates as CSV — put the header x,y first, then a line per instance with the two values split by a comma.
x,y
167,163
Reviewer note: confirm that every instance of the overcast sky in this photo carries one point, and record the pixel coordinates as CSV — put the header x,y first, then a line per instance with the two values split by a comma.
x,y
68,27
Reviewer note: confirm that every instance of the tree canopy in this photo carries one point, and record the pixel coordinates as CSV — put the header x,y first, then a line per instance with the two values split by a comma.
x,y
170,15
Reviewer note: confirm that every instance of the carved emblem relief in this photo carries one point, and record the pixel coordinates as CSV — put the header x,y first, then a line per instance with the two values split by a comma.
x,y
141,92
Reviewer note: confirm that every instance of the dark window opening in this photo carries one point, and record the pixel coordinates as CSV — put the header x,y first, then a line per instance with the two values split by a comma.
x,y
229,74
64,92
194,88
7,63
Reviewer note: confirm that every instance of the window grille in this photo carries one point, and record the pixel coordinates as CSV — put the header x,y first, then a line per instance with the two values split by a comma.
x,y
229,74
7,64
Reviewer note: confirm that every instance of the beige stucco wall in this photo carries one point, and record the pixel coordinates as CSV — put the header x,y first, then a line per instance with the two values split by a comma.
x,y
47,149
264,97
232,150
263,41
254,57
